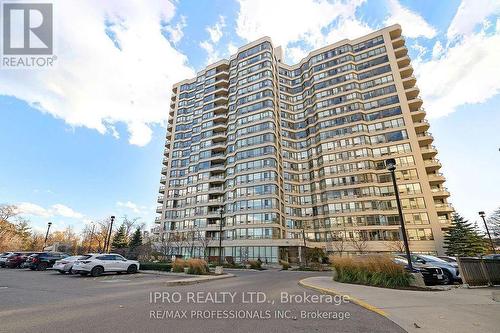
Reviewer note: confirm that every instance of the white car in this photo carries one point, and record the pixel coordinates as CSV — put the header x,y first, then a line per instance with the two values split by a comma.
x,y
65,265
100,263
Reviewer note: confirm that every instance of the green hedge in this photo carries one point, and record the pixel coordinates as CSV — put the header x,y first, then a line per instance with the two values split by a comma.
x,y
156,266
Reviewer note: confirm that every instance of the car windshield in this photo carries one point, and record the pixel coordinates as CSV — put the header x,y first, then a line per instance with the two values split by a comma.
x,y
434,259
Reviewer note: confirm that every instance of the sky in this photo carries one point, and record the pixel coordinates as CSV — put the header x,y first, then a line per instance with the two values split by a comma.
x,y
84,140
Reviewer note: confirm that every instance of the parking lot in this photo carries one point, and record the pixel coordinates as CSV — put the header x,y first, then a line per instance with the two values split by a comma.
x,y
46,301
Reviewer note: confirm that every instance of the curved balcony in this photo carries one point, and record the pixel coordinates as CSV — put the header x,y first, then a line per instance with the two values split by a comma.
x,y
432,165
440,193
425,138
406,72
421,126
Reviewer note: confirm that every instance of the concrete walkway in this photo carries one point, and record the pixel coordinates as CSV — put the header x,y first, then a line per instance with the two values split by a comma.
x,y
455,310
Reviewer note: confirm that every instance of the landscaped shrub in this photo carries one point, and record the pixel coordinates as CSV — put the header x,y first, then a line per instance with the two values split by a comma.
x,y
178,266
156,266
197,266
255,264
371,270
285,265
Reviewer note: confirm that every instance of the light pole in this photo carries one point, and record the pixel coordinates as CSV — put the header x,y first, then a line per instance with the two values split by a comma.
x,y
221,210
391,166
91,236
108,239
46,235
481,213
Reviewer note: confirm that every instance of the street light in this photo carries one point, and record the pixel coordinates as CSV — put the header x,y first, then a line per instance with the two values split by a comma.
x,y
391,166
305,244
482,214
108,239
221,211
46,235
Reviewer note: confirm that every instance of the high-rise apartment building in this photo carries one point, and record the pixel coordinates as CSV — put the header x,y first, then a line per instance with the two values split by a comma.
x,y
295,154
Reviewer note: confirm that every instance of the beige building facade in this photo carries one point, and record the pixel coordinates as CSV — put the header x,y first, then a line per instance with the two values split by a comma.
x,y
295,156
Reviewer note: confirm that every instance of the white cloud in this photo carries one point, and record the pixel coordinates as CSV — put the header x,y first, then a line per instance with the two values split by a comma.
x,y
130,205
315,23
99,81
437,50
210,45
28,208
215,31
175,32
232,49
413,24
470,14
65,211
465,73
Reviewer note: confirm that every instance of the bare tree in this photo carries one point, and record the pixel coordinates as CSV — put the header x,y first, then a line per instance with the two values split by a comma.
x,y
395,245
360,242
338,241
494,223
7,212
204,241
129,223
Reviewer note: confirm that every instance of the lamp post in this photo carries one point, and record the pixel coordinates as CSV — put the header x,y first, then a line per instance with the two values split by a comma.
x,y
108,239
221,210
91,236
482,214
391,166
46,235
305,245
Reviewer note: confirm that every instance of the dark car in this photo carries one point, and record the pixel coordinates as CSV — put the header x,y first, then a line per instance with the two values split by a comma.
x,y
432,275
43,260
492,256
3,258
17,259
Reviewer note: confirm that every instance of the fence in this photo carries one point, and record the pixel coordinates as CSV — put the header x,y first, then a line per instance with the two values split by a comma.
x,y
479,272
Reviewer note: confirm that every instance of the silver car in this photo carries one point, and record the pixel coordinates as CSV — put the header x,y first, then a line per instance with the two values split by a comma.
x,y
65,265
450,270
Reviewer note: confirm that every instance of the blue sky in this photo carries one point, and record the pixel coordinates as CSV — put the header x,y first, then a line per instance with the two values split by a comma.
x,y
84,140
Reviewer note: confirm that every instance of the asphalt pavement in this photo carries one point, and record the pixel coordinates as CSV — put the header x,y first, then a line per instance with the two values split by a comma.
x,y
252,301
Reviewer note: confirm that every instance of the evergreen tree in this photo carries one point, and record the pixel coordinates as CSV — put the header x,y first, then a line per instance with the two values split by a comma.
x,y
120,238
462,239
136,239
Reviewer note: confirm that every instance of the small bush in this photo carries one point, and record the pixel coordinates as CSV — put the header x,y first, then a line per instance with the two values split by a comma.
x,y
197,266
378,271
178,266
255,264
285,265
156,266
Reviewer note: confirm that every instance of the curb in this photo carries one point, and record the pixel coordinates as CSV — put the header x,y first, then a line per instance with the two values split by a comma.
x,y
352,299
196,280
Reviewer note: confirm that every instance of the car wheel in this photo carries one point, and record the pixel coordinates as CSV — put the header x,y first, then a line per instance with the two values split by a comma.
x,y
132,269
97,271
448,278
42,266
70,272
62,272
84,274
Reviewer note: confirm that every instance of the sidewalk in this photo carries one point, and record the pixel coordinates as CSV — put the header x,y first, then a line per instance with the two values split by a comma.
x,y
455,310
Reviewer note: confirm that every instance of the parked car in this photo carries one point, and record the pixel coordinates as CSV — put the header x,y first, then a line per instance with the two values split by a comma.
x,y
450,270
432,275
65,265
3,258
448,259
492,256
100,263
43,260
17,259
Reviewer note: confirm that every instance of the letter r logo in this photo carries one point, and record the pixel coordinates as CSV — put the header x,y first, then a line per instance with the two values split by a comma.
x,y
27,28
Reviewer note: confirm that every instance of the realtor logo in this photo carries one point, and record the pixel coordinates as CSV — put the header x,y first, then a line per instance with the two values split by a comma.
x,y
27,29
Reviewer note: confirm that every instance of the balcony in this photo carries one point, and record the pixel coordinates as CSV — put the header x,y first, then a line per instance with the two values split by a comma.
x,y
444,207
396,33
398,42
157,219
160,199
216,189
403,61
164,161
159,209
412,92
162,189
409,82
425,138
163,179
219,137
436,178
440,192
428,151
401,51
432,165
220,109
217,166
415,103
406,72
164,170
218,157
421,126
417,114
